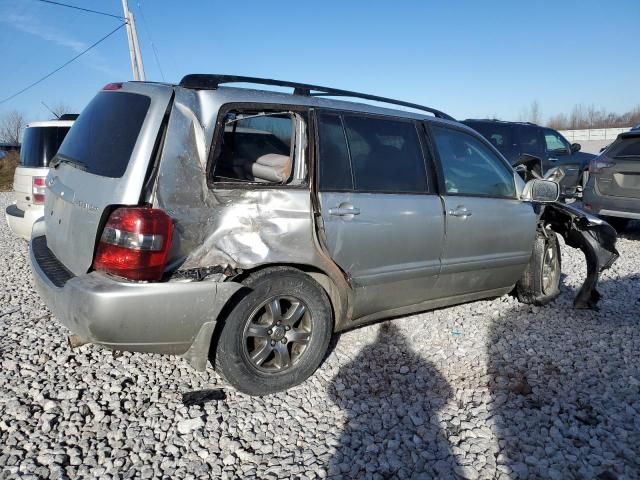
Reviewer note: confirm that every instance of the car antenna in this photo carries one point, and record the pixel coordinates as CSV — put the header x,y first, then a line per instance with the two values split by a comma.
x,y
47,107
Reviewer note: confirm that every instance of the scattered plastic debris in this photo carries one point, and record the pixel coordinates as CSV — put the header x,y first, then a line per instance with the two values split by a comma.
x,y
200,397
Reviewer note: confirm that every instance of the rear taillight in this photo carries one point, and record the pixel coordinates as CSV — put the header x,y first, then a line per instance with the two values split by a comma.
x,y
135,243
37,190
597,165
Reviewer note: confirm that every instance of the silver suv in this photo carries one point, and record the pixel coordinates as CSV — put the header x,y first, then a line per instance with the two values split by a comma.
x,y
245,227
612,189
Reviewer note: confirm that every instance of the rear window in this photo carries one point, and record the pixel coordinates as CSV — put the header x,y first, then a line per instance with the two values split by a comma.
x,y
40,144
102,139
625,147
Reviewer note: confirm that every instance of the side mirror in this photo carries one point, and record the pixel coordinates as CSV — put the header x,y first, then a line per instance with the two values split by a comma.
x,y
541,191
575,147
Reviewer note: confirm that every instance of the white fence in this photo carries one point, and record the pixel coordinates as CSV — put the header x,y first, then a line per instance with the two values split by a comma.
x,y
594,133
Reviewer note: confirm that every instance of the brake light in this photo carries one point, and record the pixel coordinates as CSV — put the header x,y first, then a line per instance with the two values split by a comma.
x,y
38,187
113,86
135,243
597,165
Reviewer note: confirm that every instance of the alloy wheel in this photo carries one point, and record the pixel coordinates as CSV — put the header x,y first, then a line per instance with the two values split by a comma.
x,y
277,334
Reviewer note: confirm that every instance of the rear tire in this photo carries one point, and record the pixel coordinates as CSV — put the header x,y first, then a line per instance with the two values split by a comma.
x,y
277,335
540,282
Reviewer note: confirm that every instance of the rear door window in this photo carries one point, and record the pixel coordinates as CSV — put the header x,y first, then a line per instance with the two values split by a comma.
x,y
499,135
102,139
386,155
40,144
470,168
531,141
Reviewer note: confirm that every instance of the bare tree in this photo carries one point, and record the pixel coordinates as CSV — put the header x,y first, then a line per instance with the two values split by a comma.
x,y
60,109
535,115
558,122
532,113
11,126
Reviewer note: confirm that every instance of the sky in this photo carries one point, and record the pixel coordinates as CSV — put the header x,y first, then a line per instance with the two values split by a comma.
x,y
470,59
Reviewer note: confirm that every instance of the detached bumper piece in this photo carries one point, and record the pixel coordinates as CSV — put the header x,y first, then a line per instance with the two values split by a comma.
x,y
595,237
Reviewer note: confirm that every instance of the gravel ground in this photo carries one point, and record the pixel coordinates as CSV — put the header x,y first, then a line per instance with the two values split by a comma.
x,y
490,389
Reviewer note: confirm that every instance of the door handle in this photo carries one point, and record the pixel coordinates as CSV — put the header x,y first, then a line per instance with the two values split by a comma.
x,y
553,159
460,211
344,210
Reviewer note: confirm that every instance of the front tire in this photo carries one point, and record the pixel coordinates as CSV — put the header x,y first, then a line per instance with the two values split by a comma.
x,y
277,335
540,282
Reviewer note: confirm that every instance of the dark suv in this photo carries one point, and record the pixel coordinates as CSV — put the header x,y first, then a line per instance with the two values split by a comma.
x,y
514,139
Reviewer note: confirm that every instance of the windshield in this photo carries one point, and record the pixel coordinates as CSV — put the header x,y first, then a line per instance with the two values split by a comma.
x,y
40,144
102,139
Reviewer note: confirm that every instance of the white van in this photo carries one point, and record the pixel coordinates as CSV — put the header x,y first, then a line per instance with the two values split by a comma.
x,y
40,143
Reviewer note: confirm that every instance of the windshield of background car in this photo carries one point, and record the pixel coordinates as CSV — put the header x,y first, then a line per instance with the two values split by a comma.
x,y
40,144
102,139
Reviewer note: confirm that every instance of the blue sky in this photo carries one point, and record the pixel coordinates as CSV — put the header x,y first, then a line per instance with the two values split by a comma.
x,y
468,58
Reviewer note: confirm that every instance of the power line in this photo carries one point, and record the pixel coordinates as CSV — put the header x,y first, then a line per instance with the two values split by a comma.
x,y
63,65
83,9
153,45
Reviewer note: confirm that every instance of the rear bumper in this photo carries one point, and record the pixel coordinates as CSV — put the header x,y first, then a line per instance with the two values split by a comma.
x,y
170,318
607,205
21,221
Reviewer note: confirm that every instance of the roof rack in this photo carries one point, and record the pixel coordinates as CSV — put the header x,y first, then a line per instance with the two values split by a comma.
x,y
201,81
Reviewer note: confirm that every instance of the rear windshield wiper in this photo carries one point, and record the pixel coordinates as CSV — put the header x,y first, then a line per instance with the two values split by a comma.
x,y
55,163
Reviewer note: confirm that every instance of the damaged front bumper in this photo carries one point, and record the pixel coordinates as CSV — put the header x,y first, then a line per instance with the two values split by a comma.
x,y
595,237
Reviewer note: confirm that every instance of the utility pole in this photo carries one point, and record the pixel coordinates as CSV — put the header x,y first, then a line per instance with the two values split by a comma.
x,y
137,68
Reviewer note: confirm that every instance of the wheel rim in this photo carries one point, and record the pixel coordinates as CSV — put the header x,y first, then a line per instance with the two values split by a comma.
x,y
549,270
277,334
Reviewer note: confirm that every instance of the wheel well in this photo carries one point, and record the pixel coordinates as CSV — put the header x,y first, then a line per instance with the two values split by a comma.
x,y
318,275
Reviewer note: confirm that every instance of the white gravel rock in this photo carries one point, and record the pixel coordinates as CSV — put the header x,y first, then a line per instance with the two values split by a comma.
x,y
490,389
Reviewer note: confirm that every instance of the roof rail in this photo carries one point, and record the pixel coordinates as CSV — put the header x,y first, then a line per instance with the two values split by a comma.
x,y
200,81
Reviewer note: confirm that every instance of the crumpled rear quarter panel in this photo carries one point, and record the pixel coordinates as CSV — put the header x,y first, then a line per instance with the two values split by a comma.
x,y
241,227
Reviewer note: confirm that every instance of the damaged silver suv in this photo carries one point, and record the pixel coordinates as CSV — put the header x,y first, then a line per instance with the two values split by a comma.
x,y
245,227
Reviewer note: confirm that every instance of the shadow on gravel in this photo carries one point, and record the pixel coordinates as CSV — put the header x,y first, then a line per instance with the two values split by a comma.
x,y
391,397
632,232
565,385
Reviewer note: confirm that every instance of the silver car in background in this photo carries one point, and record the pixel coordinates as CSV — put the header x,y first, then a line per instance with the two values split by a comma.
x,y
612,190
245,227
